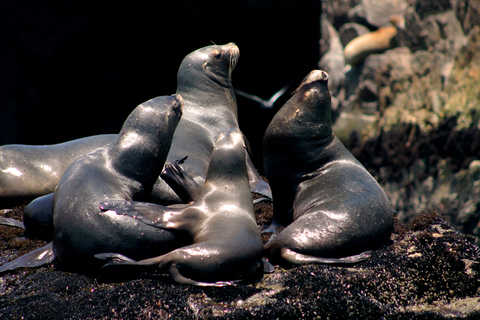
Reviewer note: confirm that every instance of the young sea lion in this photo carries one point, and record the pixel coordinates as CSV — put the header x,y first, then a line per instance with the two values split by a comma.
x,y
227,246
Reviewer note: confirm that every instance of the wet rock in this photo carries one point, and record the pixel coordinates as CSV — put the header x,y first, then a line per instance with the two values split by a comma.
x,y
332,60
378,13
351,30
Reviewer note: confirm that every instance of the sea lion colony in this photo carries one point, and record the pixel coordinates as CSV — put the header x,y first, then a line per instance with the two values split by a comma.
x,y
195,219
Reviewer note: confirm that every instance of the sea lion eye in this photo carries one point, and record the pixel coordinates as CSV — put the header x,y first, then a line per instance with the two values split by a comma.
x,y
217,54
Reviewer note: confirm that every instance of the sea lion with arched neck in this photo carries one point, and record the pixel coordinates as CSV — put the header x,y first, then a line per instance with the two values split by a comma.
x,y
127,169
332,209
227,246
204,80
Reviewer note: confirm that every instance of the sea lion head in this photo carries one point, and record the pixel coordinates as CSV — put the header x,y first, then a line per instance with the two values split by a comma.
x,y
228,161
308,112
313,91
146,136
301,127
153,119
215,63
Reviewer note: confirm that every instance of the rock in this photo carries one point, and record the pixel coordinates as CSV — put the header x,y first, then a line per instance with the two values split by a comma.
x,y
337,10
452,33
357,14
428,271
422,170
332,60
425,8
378,13
350,31
468,13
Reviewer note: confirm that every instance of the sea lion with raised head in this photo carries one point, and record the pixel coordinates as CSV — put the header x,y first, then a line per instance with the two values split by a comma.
x,y
332,209
204,80
127,169
227,246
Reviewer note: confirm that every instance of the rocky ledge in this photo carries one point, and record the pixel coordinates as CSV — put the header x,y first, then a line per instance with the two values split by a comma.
x,y
428,271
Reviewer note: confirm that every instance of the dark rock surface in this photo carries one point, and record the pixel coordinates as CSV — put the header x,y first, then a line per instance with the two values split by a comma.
x,y
429,271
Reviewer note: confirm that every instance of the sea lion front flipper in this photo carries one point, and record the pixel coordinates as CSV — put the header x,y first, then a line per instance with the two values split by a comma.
x,y
38,218
274,227
186,188
299,258
267,266
34,258
257,184
149,213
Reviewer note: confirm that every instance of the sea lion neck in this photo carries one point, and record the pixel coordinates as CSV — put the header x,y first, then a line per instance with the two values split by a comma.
x,y
146,137
303,126
228,163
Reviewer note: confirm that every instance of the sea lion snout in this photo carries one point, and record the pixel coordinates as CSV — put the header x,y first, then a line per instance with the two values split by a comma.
x,y
318,75
234,54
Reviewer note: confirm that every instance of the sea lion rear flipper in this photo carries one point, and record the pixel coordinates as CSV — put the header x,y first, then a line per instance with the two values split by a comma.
x,y
186,188
34,258
149,213
299,258
119,266
11,222
178,277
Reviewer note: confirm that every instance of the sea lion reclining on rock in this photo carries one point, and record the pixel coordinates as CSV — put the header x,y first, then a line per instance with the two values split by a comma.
x,y
204,81
332,209
127,169
227,246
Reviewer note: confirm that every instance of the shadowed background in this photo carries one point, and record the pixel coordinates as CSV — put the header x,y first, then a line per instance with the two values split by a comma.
x,y
70,69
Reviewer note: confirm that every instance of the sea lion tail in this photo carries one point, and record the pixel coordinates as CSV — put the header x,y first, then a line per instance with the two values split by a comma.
x,y
34,258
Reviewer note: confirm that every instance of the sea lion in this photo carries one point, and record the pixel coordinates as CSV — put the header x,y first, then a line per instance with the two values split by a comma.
x,y
204,80
127,169
27,172
332,209
376,41
227,245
